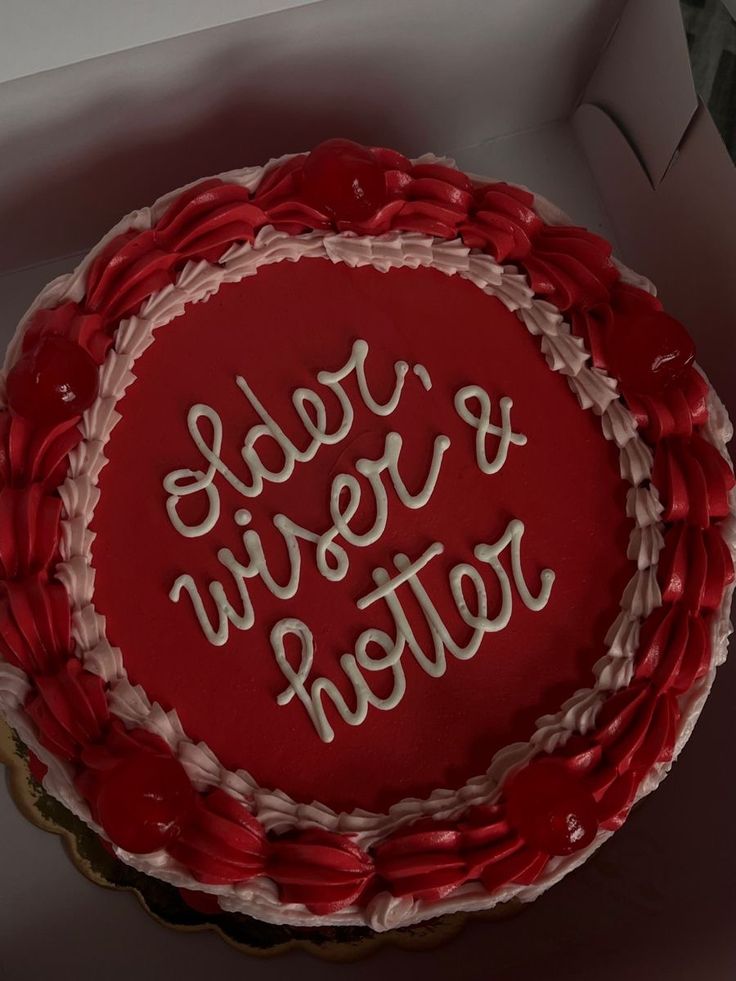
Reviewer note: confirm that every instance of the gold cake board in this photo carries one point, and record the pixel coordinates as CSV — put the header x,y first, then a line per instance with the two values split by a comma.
x,y
164,904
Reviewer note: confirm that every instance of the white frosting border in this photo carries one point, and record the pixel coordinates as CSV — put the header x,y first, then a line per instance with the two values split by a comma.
x,y
197,281
564,353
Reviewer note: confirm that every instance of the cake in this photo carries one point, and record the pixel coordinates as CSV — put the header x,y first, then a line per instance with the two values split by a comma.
x,y
392,575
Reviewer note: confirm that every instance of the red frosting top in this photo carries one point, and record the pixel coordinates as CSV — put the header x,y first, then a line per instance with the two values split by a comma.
x,y
300,319
278,331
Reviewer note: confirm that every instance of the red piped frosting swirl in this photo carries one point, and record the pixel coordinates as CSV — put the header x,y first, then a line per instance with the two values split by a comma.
x,y
322,870
135,788
223,843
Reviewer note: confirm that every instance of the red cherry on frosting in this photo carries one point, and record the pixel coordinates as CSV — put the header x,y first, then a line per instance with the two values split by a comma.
x,y
648,352
343,179
550,808
53,382
143,802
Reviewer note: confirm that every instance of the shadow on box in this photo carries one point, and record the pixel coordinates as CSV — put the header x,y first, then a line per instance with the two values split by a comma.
x,y
113,175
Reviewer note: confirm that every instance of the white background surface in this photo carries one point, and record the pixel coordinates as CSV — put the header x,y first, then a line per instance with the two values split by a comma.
x,y
89,141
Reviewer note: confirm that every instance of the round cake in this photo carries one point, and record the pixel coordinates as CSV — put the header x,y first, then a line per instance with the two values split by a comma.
x,y
397,569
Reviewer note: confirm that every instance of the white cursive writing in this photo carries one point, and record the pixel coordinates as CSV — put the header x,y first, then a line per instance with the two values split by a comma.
x,y
185,482
392,648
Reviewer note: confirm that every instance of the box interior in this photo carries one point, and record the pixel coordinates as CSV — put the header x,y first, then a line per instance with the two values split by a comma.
x,y
561,95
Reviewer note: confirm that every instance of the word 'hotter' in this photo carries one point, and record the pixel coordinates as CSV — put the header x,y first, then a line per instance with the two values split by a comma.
x,y
392,648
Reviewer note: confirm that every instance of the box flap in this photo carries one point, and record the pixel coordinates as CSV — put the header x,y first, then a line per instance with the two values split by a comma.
x,y
681,235
644,82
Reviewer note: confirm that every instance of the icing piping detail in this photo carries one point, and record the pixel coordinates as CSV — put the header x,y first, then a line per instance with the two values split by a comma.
x,y
482,423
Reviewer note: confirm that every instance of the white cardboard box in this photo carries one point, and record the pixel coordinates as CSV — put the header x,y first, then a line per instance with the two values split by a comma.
x,y
591,103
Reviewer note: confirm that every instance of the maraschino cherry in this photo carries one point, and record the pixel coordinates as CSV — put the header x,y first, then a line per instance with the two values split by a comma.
x,y
144,801
648,352
551,808
53,382
343,179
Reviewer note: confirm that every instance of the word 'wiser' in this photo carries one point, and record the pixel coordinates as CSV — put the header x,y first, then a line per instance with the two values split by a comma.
x,y
375,650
